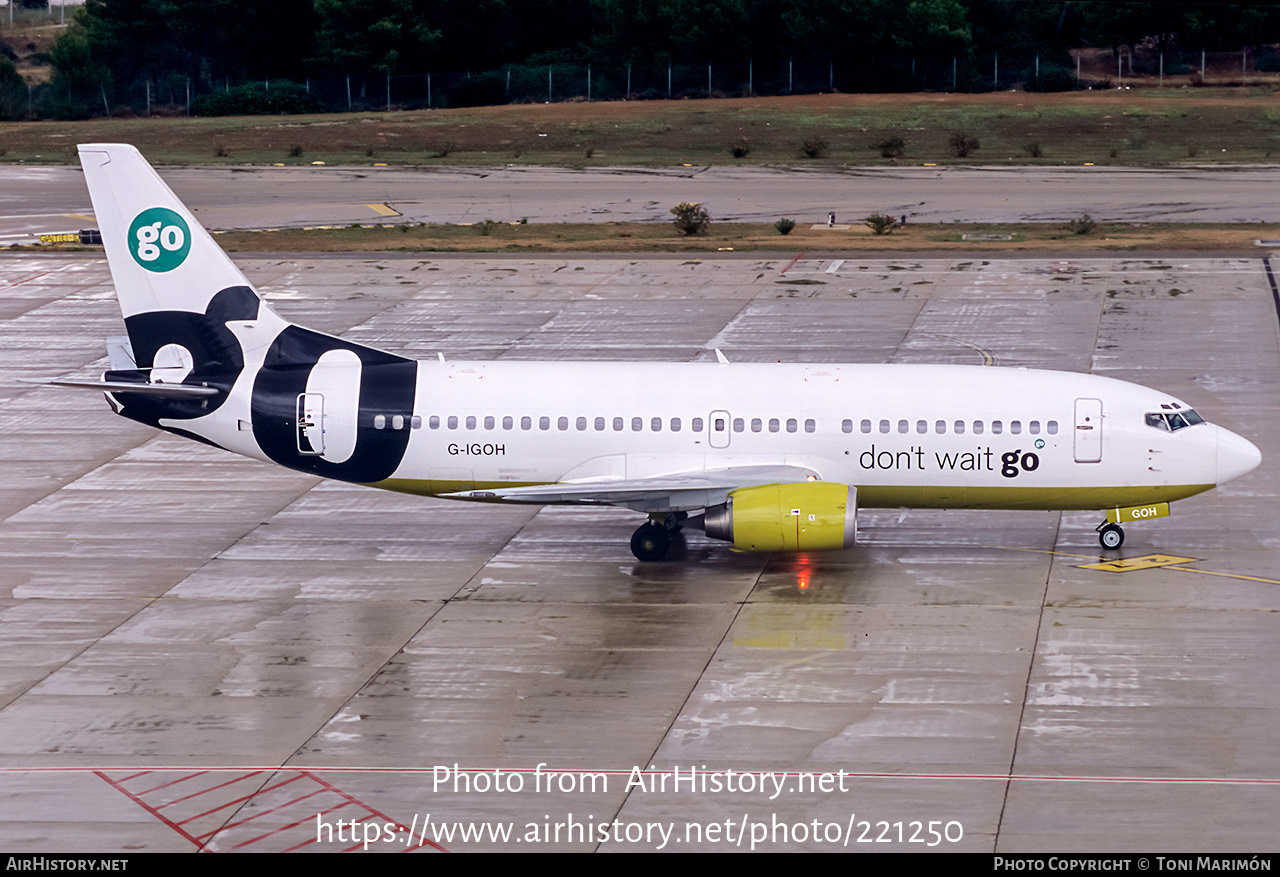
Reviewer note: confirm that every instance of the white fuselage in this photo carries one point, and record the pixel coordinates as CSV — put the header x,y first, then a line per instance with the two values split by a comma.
x,y
904,435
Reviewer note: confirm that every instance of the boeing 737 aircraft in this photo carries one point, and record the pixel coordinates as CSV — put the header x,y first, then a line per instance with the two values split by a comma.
x,y
770,457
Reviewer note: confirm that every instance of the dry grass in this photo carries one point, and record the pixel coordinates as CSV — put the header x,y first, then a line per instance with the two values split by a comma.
x,y
1147,127
616,237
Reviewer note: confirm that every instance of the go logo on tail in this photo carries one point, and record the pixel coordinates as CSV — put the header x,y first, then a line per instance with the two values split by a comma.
x,y
159,239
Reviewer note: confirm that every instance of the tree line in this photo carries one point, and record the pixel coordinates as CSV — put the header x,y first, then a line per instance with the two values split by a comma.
x,y
209,44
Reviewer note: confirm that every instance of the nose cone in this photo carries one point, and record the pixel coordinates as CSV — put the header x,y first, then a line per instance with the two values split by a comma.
x,y
1236,456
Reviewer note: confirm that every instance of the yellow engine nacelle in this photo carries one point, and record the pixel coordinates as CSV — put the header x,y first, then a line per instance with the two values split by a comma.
x,y
810,516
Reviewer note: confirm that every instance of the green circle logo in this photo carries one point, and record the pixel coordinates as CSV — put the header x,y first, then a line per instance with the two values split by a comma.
x,y
159,239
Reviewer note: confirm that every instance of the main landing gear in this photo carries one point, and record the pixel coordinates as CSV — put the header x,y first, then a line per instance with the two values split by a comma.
x,y
1110,536
652,540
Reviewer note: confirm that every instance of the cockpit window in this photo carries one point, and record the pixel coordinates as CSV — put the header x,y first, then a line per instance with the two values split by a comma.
x,y
1172,421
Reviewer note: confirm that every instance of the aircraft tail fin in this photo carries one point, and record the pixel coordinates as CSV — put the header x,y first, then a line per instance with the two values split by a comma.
x,y
177,288
161,257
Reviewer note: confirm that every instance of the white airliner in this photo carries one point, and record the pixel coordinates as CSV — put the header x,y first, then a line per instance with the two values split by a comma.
x,y
775,457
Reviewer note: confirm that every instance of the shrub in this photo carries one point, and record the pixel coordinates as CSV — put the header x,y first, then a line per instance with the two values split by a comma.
x,y
1082,225
784,225
890,147
813,147
879,223
1053,77
741,150
256,99
486,227
690,218
962,144
1034,149
295,151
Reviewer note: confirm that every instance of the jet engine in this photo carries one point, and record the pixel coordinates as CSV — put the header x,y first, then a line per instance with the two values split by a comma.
x,y
809,516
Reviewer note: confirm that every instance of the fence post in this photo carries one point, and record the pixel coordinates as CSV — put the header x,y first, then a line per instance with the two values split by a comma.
x,y
348,92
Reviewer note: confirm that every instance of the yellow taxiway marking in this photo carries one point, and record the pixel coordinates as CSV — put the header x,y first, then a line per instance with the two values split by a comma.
x,y
1128,564
383,210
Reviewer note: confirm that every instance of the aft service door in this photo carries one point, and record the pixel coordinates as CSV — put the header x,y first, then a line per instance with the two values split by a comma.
x,y
310,424
1088,431
718,429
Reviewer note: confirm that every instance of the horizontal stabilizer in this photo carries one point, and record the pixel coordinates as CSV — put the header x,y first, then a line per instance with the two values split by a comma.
x,y
163,391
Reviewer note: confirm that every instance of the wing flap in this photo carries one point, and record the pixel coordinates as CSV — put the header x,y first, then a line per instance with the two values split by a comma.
x,y
685,490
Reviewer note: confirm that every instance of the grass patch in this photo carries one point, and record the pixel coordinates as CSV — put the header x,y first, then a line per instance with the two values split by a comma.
x,y
648,237
1152,127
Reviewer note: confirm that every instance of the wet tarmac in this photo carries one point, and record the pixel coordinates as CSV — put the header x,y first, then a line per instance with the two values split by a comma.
x,y
202,651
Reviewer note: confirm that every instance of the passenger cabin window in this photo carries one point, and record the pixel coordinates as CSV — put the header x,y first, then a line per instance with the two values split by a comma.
x,y
977,427
599,424
739,424
810,425
656,424
488,422
696,424
866,426
757,424
846,426
675,424
940,427
526,422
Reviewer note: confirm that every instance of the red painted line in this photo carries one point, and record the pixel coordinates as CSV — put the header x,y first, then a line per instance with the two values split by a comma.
x,y
792,263
211,789
313,840
232,803
28,280
380,815
153,811
189,776
271,810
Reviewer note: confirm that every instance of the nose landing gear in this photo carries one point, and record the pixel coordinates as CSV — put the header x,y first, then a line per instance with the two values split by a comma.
x,y
1110,536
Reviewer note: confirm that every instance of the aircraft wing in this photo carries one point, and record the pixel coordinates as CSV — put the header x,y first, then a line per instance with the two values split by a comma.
x,y
677,492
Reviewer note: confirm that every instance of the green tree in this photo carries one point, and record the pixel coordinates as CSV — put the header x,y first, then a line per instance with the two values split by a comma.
x,y
79,78
13,90
372,36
